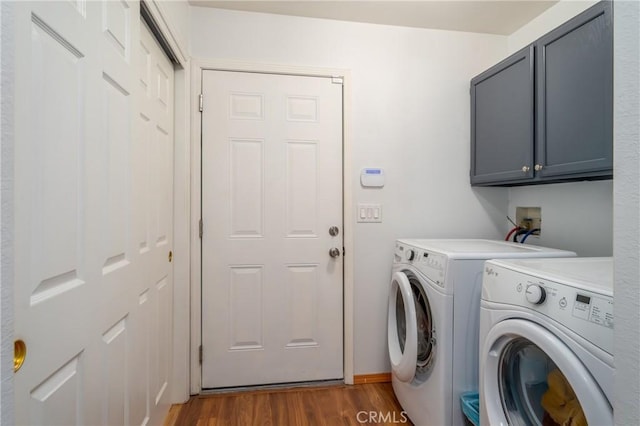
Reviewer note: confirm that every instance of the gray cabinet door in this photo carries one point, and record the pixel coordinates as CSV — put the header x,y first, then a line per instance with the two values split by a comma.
x,y
574,77
502,121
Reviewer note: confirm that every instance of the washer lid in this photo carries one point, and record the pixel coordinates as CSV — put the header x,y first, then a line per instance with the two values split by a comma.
x,y
484,249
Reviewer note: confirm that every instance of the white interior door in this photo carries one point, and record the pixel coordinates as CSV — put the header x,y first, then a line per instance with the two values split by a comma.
x,y
93,203
271,190
153,216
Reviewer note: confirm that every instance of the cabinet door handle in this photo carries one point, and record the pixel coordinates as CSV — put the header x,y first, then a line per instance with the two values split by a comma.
x,y
538,167
525,169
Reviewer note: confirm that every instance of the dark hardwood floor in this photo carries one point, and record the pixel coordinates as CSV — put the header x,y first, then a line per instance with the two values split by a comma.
x,y
313,406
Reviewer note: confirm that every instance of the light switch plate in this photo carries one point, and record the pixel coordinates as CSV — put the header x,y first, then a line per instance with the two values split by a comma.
x,y
369,213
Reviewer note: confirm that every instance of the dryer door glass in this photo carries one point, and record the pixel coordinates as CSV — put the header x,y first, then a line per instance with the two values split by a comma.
x,y
534,391
425,327
529,376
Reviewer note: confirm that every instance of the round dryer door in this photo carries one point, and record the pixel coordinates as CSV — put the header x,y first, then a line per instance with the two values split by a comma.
x,y
410,328
532,378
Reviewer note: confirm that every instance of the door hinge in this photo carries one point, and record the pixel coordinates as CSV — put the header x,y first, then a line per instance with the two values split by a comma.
x,y
200,228
200,354
201,102
343,252
337,80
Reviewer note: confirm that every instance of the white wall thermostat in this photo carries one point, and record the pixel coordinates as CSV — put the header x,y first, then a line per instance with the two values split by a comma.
x,y
372,178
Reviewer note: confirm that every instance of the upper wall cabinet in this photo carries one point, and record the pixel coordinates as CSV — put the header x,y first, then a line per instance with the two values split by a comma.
x,y
545,114
502,121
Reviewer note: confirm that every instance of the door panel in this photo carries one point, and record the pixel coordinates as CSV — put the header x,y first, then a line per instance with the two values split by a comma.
x,y
272,188
86,300
56,149
301,307
117,143
247,188
62,389
301,200
114,353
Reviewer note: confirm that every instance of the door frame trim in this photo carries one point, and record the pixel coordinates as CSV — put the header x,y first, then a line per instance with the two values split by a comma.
x,y
197,67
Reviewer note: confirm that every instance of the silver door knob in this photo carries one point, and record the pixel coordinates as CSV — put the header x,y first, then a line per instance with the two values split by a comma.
x,y
333,231
334,252
538,167
525,169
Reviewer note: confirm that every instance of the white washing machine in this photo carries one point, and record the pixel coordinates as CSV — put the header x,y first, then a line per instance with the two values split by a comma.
x,y
434,309
546,342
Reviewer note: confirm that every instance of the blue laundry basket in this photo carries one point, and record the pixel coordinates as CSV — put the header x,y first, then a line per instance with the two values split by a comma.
x,y
470,402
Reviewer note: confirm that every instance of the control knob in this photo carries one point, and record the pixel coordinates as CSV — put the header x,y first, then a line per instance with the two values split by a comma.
x,y
410,254
535,294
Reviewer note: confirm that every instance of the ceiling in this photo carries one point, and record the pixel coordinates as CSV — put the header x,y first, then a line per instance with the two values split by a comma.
x,y
493,17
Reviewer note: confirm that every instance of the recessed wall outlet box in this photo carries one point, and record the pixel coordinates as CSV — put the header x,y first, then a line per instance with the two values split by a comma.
x,y
372,177
371,213
529,218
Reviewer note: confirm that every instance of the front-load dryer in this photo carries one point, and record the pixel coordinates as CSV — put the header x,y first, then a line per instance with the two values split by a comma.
x,y
546,342
434,309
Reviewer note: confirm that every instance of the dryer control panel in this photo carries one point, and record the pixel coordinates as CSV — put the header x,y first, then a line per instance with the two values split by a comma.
x,y
585,311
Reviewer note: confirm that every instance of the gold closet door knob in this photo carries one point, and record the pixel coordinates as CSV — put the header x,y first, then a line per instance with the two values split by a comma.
x,y
19,354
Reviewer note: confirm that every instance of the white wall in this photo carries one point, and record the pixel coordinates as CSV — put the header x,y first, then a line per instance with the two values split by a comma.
x,y
176,15
546,21
627,210
575,216
410,116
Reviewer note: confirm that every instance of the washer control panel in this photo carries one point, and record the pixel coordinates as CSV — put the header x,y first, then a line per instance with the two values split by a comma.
x,y
432,265
586,311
